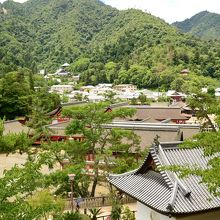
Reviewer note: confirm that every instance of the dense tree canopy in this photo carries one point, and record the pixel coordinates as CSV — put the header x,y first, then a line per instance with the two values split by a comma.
x,y
208,140
101,142
205,25
103,44
18,97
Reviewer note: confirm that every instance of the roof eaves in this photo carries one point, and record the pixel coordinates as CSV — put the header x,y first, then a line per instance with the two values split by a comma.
x,y
170,206
159,153
111,175
157,210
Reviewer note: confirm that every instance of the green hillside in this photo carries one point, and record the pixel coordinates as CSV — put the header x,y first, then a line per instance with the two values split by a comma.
x,y
103,44
205,25
59,29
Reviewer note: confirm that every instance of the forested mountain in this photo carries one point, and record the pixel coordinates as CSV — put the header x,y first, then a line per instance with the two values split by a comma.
x,y
51,31
205,25
103,44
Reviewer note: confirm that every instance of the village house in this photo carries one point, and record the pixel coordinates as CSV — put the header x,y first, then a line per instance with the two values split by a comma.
x,y
151,94
61,89
88,88
128,95
162,195
95,98
184,72
217,92
76,78
175,96
104,85
63,70
125,88
65,65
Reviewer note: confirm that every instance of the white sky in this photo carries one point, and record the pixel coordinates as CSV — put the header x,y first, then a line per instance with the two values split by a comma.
x,y
169,10
21,1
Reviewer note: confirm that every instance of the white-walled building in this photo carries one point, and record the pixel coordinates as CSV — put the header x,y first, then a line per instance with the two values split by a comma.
x,y
104,85
125,88
204,90
162,195
88,88
128,95
61,72
61,88
42,72
76,78
65,65
217,92
95,98
150,94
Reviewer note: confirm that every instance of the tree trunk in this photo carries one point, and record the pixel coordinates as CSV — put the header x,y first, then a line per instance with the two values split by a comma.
x,y
95,181
210,122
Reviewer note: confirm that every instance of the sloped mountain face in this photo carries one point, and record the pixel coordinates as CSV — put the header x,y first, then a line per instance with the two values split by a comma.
x,y
102,43
64,28
59,28
205,25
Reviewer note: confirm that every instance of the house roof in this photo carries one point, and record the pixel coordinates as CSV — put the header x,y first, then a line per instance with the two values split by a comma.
x,y
164,191
185,71
158,113
66,65
176,94
15,127
122,85
55,111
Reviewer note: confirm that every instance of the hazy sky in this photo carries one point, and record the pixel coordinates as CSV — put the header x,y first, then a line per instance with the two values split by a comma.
x,y
169,10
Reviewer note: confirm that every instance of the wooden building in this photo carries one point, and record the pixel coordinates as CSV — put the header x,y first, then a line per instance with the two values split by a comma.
x,y
158,113
146,131
162,195
184,72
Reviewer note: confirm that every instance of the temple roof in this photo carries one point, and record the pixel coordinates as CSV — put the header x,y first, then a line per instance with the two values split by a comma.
x,y
66,65
15,127
164,191
55,111
158,113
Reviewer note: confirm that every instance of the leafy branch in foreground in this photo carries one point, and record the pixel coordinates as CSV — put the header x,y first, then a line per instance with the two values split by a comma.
x,y
207,141
89,121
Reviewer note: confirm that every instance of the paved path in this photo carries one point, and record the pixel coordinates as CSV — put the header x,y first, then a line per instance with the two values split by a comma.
x,y
7,162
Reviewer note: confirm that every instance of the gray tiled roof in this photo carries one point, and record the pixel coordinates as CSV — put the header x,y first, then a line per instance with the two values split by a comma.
x,y
164,191
158,113
15,127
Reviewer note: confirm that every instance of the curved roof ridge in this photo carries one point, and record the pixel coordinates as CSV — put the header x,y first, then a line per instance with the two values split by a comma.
x,y
158,162
155,189
170,205
112,175
143,166
183,187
